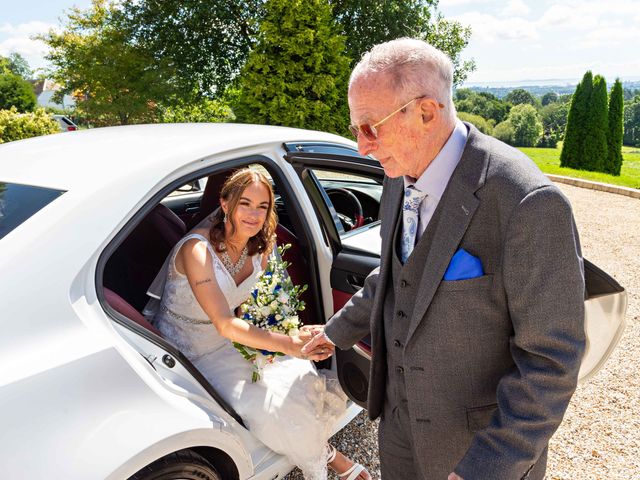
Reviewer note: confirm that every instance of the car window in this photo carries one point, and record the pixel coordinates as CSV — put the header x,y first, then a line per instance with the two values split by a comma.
x,y
19,202
354,196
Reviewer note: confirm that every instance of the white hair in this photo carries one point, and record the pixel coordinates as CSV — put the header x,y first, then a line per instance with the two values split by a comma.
x,y
413,68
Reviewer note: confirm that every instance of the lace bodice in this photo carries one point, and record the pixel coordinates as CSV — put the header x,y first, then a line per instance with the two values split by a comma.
x,y
180,308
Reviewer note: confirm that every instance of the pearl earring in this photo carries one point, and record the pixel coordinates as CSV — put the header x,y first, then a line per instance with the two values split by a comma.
x,y
225,218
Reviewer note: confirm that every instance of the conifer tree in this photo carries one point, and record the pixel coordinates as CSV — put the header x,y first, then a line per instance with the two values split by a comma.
x,y
596,151
615,132
297,74
572,147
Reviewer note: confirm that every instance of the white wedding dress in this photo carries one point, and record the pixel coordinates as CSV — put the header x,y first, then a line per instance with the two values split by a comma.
x,y
292,409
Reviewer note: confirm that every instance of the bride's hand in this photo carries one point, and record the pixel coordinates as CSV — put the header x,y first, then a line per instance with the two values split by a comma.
x,y
312,329
321,352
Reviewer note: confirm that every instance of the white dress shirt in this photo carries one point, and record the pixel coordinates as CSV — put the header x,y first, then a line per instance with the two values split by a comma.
x,y
435,178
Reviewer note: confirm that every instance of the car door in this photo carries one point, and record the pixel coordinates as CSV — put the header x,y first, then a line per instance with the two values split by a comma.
x,y
357,252
330,173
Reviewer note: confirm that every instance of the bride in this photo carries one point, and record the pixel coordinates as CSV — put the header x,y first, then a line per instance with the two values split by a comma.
x,y
293,408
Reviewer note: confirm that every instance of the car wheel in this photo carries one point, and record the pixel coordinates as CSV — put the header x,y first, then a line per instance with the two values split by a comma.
x,y
182,465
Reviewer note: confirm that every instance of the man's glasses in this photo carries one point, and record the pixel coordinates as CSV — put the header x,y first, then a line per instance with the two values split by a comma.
x,y
370,132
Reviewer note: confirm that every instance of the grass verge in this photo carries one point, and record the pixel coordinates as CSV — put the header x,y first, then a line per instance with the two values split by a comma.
x,y
548,160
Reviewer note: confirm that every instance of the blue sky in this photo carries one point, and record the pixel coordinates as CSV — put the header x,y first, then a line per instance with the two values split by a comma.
x,y
512,40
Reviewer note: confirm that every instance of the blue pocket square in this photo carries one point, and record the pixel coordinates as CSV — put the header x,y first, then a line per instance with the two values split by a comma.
x,y
463,266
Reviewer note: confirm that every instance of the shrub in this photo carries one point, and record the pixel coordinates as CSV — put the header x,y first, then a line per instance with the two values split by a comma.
x,y
204,111
547,141
16,92
480,123
17,126
505,132
527,127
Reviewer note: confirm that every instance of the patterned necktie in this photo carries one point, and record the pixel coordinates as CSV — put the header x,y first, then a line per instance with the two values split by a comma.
x,y
410,208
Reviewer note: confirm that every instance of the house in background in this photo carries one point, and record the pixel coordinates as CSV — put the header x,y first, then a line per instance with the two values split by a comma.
x,y
45,89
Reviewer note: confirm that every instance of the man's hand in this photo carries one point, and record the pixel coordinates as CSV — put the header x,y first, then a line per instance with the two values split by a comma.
x,y
319,341
454,476
303,344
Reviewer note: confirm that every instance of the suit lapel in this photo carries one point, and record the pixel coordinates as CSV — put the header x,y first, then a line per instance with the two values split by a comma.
x,y
454,213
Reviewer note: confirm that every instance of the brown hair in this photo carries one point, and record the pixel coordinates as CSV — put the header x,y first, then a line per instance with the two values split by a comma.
x,y
231,192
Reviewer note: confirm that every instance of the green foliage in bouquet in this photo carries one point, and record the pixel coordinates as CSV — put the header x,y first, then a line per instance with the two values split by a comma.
x,y
273,305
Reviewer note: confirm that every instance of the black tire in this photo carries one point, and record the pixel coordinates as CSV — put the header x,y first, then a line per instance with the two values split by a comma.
x,y
182,465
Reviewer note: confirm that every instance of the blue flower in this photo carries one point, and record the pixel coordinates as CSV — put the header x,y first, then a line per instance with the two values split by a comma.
x,y
271,319
277,288
268,273
254,294
246,316
266,352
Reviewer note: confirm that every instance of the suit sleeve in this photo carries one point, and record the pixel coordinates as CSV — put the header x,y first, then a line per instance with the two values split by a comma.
x,y
544,283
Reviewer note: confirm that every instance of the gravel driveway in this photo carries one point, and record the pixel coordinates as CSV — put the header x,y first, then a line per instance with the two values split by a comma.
x,y
600,435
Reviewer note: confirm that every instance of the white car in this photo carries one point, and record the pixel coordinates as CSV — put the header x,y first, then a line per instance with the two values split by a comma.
x,y
88,388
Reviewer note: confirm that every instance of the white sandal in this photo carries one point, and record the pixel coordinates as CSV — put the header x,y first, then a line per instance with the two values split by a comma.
x,y
352,472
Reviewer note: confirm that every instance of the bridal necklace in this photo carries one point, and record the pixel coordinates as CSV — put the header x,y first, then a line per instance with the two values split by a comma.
x,y
233,268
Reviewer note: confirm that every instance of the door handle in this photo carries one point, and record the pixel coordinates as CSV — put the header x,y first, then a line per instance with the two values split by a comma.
x,y
355,281
192,207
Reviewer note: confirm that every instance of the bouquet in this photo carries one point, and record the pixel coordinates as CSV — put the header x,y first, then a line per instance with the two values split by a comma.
x,y
273,305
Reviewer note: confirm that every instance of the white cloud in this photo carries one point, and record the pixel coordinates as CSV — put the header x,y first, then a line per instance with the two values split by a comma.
x,y
488,28
457,3
18,38
564,71
515,8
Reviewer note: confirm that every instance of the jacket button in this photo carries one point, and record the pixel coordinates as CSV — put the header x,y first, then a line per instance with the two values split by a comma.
x,y
400,370
396,343
403,283
401,314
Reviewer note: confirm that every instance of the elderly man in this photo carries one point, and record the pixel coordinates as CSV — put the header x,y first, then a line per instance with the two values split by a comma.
x,y
476,311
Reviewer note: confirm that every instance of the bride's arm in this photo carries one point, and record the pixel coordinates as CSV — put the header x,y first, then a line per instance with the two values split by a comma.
x,y
197,262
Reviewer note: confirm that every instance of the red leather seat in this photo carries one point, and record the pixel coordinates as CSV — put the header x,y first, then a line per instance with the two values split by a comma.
x,y
134,265
121,306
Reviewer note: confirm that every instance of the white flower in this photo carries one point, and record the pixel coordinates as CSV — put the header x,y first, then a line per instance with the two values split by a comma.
x,y
265,311
278,317
283,297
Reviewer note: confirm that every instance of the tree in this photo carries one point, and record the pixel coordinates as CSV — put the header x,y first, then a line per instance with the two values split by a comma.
x,y
614,134
594,133
296,75
520,96
483,103
365,23
548,98
527,128
554,119
206,41
480,123
96,59
632,122
16,92
572,147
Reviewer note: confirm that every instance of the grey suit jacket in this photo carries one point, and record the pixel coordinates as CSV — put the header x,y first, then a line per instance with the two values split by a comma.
x,y
491,362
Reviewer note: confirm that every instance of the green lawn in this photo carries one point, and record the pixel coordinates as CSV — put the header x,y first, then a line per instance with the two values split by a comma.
x,y
548,159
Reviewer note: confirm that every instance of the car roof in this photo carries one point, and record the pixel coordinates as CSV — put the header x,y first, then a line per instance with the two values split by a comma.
x,y
68,160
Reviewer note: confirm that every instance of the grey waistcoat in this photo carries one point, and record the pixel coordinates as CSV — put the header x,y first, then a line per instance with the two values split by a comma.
x,y
399,305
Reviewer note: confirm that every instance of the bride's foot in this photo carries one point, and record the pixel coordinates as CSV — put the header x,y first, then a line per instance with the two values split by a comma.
x,y
345,468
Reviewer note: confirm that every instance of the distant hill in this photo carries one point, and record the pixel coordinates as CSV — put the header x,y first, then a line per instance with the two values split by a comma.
x,y
542,87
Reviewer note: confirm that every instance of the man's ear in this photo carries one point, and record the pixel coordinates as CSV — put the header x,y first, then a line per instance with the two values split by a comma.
x,y
429,108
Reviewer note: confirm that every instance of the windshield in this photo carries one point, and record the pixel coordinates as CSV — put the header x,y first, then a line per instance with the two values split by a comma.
x,y
19,202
